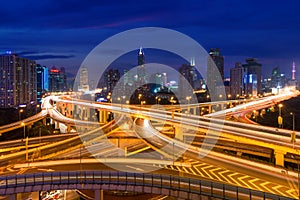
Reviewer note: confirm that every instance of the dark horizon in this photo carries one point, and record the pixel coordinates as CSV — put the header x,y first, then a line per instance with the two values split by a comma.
x,y
62,33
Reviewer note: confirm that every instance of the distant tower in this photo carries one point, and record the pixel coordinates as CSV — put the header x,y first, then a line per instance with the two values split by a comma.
x,y
141,57
84,79
293,71
141,72
192,62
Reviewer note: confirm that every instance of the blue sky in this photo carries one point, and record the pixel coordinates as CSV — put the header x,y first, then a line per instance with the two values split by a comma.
x,y
63,32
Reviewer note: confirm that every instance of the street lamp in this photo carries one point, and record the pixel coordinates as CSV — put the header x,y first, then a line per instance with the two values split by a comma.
x,y
139,97
143,102
36,108
293,135
207,97
293,114
172,100
280,120
255,114
20,112
24,131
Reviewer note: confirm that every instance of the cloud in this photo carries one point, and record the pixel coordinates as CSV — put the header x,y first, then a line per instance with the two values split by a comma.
x,y
48,56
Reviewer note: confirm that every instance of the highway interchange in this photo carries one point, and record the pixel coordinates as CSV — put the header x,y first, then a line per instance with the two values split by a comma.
x,y
164,154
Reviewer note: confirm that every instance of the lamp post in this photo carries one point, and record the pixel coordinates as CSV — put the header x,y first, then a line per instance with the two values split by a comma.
x,y
25,139
255,115
36,108
139,97
280,120
20,114
293,135
293,114
24,129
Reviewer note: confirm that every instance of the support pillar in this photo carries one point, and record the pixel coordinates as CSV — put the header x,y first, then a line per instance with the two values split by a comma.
x,y
45,121
194,110
98,195
68,128
35,195
279,157
15,196
12,197
87,113
56,125
209,109
103,114
178,133
223,106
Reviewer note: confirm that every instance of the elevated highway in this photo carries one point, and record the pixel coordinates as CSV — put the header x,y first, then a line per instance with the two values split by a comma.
x,y
175,186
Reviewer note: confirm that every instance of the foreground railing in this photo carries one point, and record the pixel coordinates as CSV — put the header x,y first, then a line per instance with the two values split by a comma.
x,y
175,186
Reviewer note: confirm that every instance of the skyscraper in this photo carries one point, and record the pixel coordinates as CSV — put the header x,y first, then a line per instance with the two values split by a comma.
x,y
141,71
83,80
18,80
111,78
293,71
57,80
215,71
41,81
236,80
218,59
186,80
252,79
164,79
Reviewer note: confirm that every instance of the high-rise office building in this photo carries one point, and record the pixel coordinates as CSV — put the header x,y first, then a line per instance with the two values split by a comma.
x,y
57,80
128,77
293,71
111,78
156,80
41,81
164,79
252,79
83,80
141,71
236,80
215,71
18,80
186,80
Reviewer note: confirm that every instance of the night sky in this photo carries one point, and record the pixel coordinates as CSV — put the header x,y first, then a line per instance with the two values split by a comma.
x,y
62,32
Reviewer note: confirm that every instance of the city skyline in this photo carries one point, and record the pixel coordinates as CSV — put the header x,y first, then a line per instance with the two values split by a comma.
x,y
57,34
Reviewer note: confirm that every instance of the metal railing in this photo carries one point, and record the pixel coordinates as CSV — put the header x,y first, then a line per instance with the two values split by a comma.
x,y
67,180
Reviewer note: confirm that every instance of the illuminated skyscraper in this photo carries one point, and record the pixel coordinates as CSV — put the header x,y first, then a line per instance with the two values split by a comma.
x,y
111,78
18,80
215,71
252,79
186,80
236,80
141,71
57,80
84,79
41,81
293,71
